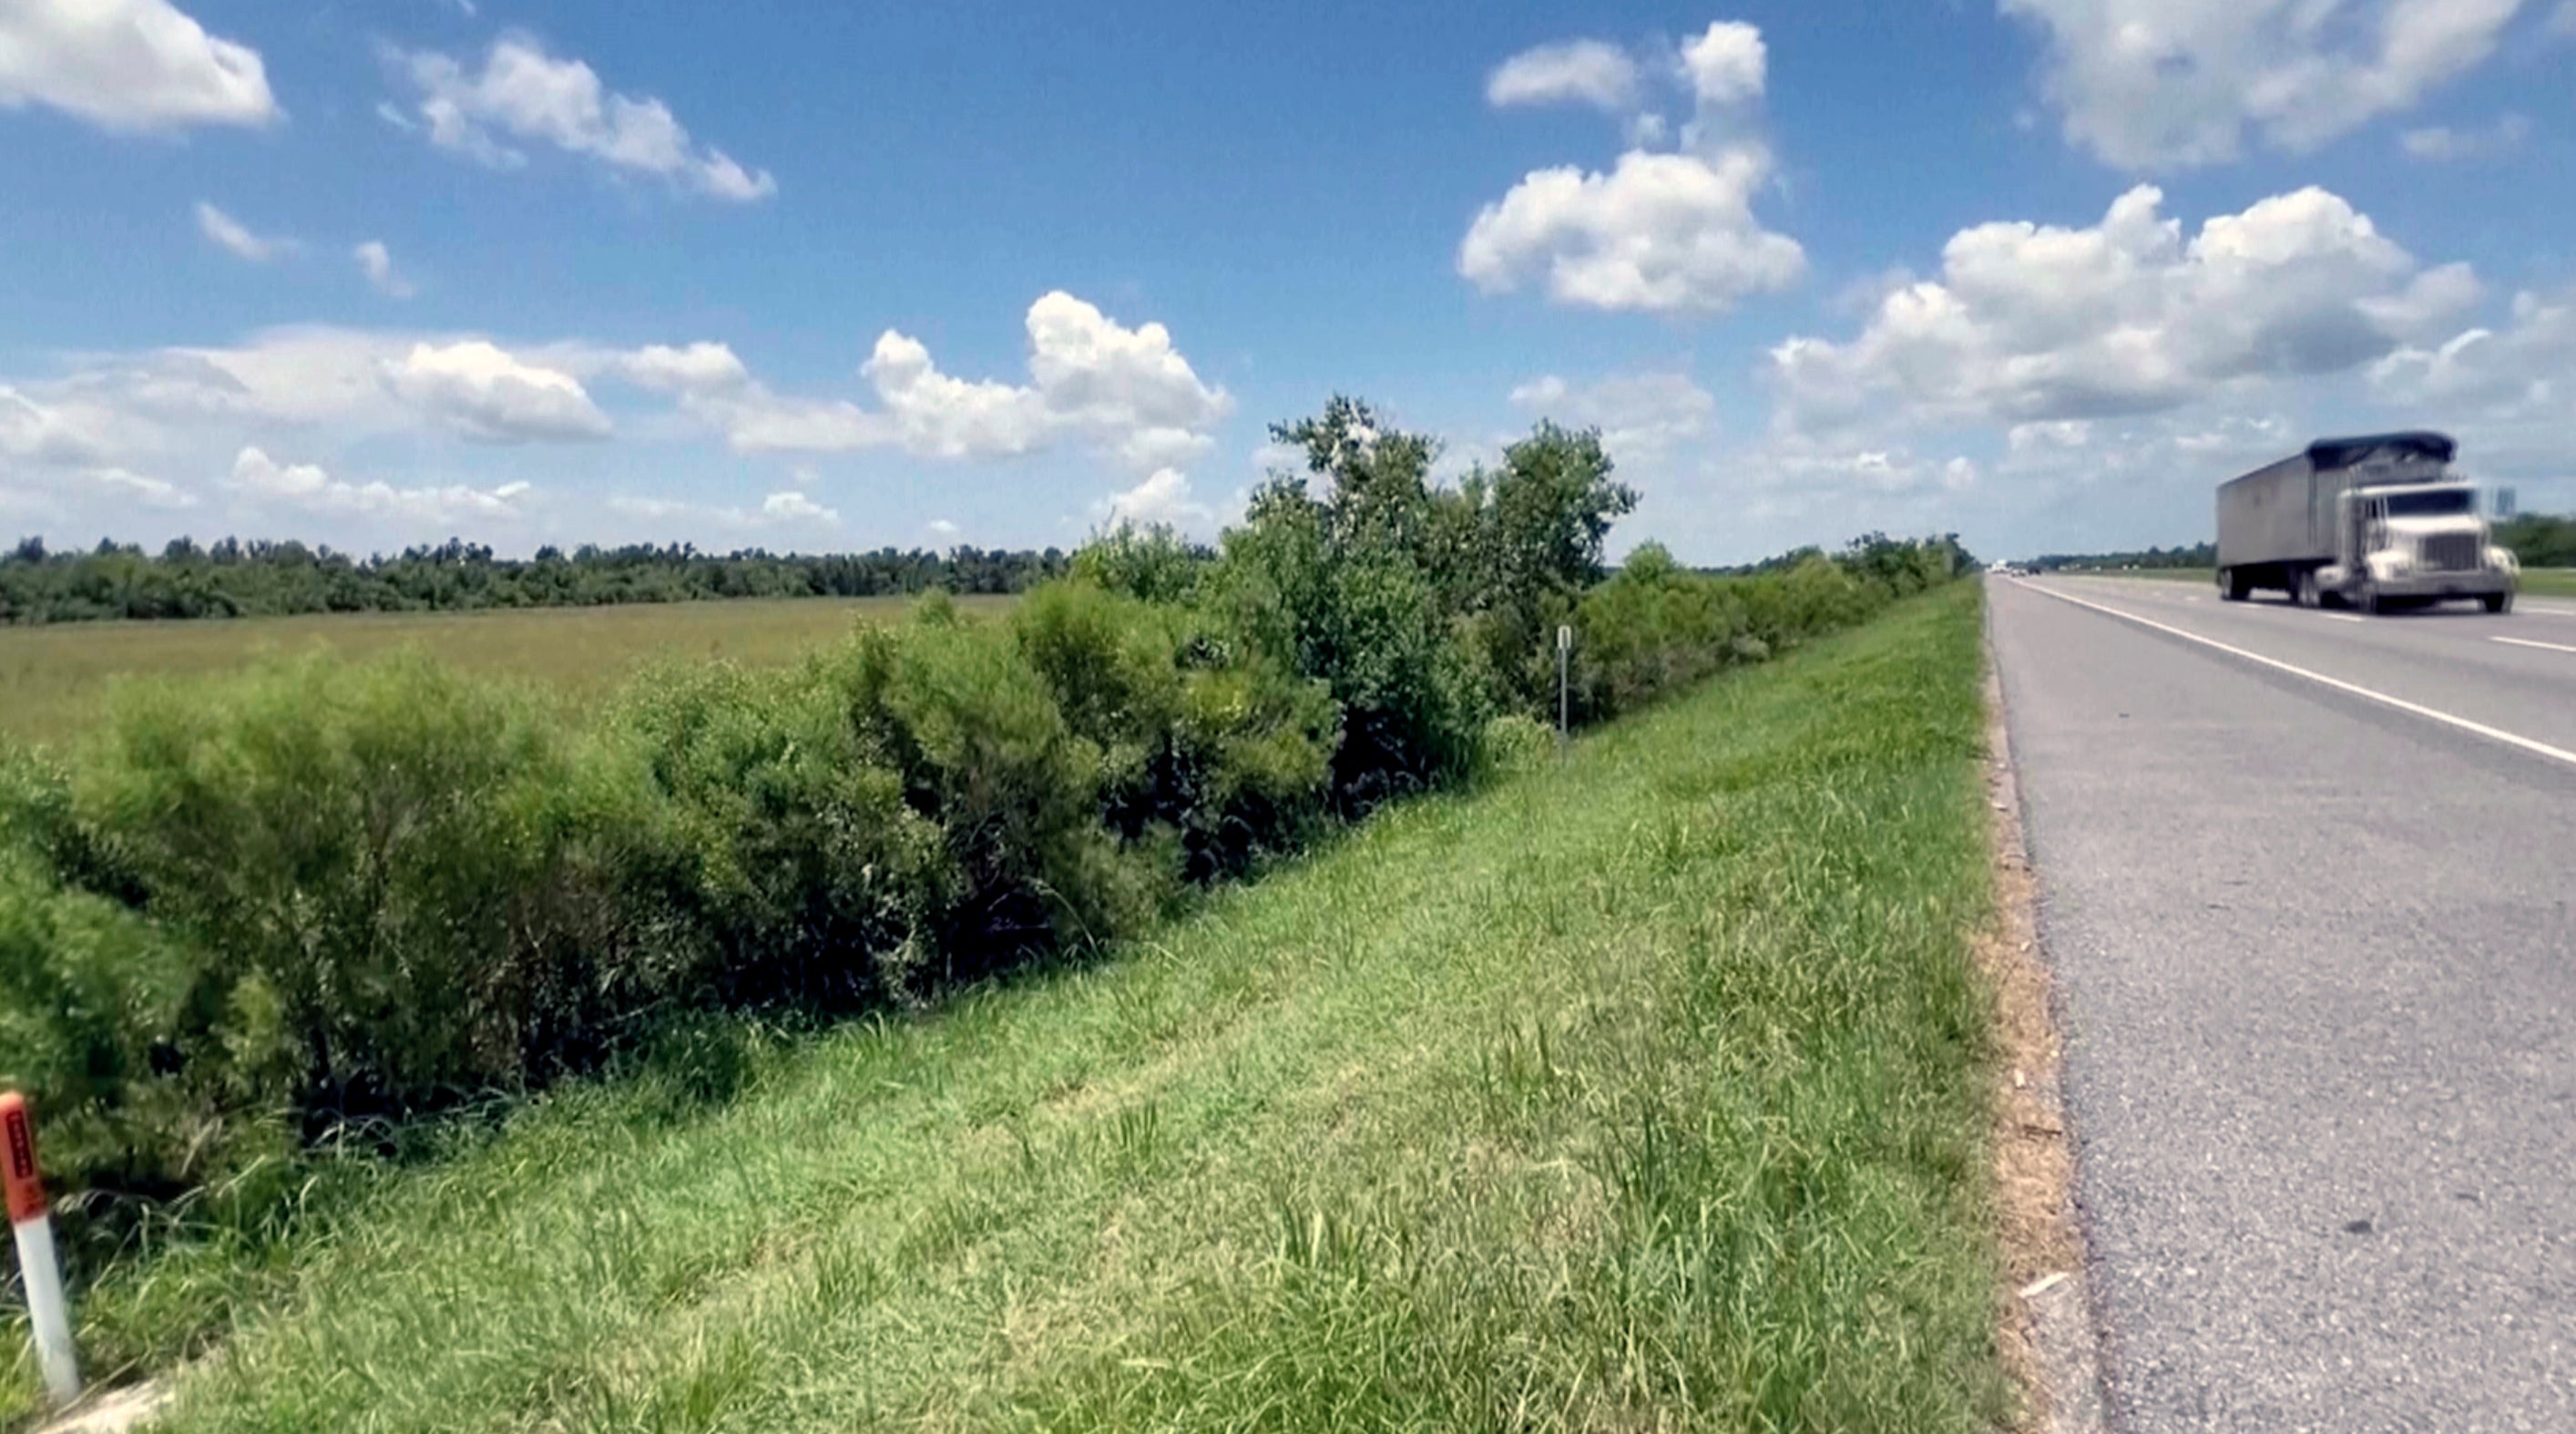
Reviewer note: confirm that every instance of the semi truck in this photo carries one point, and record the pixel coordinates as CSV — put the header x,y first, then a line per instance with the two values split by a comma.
x,y
2375,522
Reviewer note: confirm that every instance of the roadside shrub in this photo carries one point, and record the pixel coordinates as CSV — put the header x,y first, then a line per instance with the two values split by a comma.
x,y
1512,744
980,748
793,871
1151,562
148,1079
1198,734
403,860
1652,627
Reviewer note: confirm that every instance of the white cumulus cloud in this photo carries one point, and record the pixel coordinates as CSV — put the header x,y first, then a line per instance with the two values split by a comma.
x,y
1163,499
1668,233
1643,417
377,263
1726,63
308,487
1592,72
128,65
1126,392
2526,369
792,506
2033,322
2148,84
524,95
697,368
232,235
484,392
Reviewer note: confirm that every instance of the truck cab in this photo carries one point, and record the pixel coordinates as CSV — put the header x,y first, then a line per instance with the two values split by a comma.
x,y
2413,543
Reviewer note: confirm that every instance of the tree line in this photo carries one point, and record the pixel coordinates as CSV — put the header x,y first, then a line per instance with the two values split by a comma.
x,y
233,578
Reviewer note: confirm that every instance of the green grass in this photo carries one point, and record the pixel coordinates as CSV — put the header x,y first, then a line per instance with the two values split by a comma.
x,y
54,679
1643,1091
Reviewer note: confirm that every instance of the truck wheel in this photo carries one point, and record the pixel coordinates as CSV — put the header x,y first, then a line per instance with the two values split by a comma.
x,y
2303,590
2498,602
2231,588
2370,599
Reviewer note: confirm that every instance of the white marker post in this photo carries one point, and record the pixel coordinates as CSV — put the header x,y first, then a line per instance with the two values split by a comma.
x,y
1564,649
33,1223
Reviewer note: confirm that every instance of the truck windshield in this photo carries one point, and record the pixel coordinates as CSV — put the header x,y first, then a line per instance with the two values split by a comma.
x,y
2433,503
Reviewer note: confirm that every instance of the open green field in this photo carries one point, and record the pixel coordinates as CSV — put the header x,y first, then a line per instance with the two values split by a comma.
x,y
1642,1091
53,679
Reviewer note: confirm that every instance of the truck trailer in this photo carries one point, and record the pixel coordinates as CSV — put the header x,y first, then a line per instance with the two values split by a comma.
x,y
2375,522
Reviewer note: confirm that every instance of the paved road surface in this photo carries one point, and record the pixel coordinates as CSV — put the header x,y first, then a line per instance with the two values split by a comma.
x,y
2319,971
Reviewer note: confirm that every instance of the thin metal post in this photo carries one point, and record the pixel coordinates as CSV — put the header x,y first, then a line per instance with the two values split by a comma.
x,y
1564,648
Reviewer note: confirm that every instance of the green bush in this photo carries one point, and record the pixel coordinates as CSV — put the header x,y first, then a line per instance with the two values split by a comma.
x,y
410,865
793,869
976,740
1198,734
147,1080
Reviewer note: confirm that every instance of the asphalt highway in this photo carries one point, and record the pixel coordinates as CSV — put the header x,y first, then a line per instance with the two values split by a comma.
x,y
2306,883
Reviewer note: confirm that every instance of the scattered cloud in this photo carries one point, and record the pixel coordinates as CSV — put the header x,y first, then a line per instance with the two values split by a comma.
x,y
943,528
1725,63
1643,417
307,487
792,506
377,263
485,393
232,235
2441,142
1162,499
522,95
126,485
697,368
2031,323
1660,233
777,511
2525,370
129,66
1128,393
1592,72
57,432
2154,84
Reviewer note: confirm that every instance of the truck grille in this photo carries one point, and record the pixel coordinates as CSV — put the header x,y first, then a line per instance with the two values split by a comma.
x,y
2451,552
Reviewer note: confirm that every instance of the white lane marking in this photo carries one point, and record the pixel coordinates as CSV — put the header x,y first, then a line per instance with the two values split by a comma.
x,y
2527,642
2493,734
2302,612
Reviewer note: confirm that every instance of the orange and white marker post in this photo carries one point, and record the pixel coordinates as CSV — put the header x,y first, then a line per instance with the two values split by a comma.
x,y
33,1223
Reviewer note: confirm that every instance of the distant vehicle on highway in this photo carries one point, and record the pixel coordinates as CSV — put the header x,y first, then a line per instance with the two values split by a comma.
x,y
2375,522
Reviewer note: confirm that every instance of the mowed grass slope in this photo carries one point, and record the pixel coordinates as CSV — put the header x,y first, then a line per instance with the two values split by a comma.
x,y
54,679
1638,1092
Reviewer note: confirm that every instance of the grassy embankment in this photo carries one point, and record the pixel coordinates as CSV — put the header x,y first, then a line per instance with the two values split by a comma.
x,y
1641,1091
55,678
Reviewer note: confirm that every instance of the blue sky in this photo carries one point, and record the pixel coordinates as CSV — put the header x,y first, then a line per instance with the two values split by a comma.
x,y
375,272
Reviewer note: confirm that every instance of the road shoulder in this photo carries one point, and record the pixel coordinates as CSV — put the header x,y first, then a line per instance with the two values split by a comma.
x,y
2048,1333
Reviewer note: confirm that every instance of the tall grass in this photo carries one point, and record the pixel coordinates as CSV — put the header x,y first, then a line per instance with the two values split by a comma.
x,y
1635,1092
